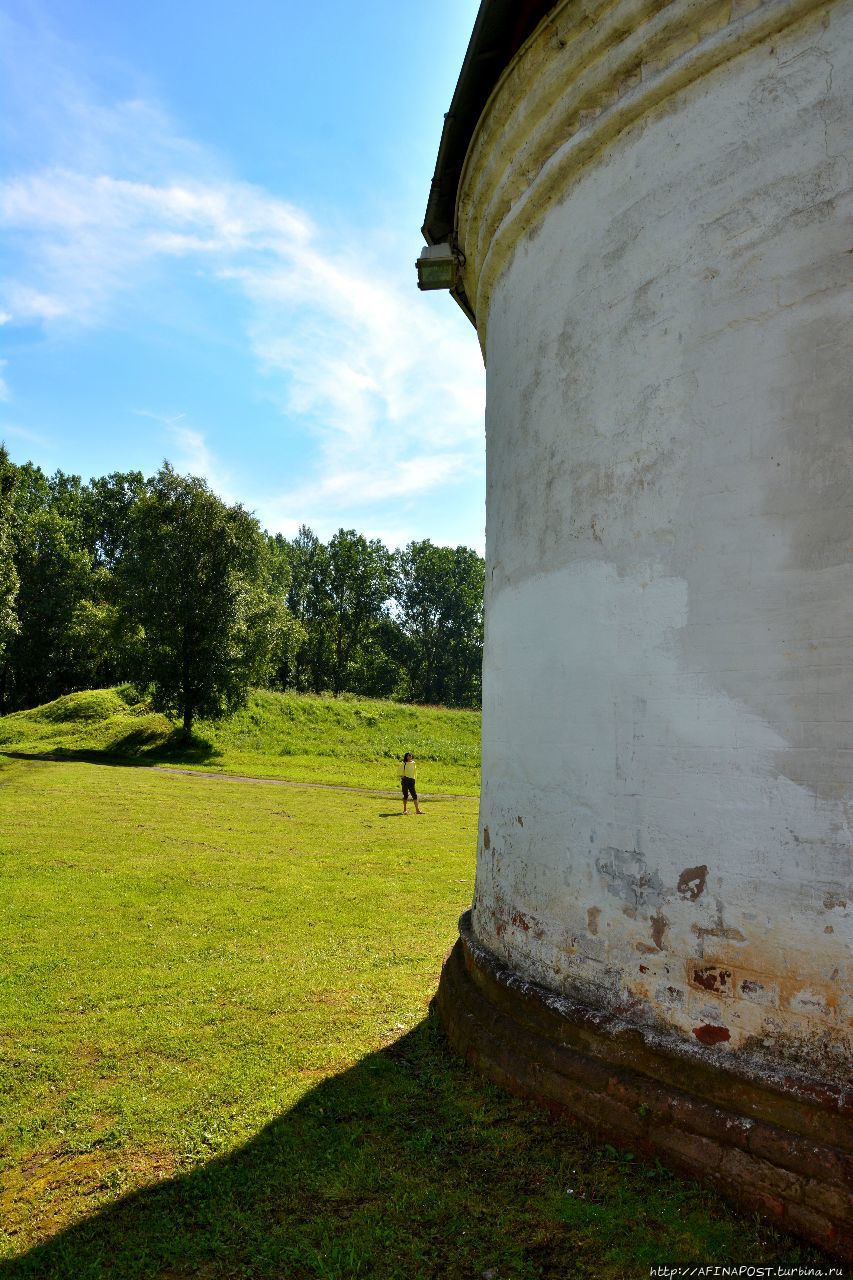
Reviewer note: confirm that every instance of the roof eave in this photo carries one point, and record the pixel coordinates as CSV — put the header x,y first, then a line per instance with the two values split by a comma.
x,y
500,28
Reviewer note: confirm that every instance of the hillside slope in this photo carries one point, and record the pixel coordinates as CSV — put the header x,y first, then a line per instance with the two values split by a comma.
x,y
301,737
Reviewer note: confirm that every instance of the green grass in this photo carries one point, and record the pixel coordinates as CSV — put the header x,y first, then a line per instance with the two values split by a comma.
x,y
279,735
218,1061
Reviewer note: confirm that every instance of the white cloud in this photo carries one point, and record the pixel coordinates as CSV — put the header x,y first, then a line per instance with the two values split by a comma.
x,y
189,451
193,454
8,429
367,485
31,304
390,392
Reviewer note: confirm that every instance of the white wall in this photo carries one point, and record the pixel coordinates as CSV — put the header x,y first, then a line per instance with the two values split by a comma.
x,y
668,756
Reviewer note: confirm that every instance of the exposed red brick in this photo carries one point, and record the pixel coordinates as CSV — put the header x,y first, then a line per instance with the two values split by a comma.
x,y
814,1226
718,931
659,924
691,882
712,978
613,1118
814,1159
777,1147
824,1094
710,1034
628,1092
835,1202
695,1116
687,1150
771,1206
745,1170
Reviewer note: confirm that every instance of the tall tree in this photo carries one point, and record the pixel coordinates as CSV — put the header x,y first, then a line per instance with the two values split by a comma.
x,y
108,513
307,600
58,645
200,613
439,610
358,585
9,581
291,633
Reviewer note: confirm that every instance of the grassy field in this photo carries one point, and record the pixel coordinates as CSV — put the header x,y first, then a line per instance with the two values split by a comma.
x,y
279,735
218,1061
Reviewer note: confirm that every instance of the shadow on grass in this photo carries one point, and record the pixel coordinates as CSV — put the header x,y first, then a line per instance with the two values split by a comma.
x,y
176,749
407,1165
140,748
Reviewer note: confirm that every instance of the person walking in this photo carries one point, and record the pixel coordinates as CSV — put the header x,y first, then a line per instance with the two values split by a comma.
x,y
407,778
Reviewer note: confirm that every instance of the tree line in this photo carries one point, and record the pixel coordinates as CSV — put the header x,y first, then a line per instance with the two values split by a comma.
x,y
160,583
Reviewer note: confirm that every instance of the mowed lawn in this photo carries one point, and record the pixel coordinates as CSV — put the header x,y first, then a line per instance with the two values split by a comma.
x,y
218,1061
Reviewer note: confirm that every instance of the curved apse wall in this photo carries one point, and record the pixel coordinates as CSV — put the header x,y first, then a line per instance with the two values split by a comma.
x,y
655,217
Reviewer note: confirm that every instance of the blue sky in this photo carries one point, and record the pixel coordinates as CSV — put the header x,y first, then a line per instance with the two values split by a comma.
x,y
209,216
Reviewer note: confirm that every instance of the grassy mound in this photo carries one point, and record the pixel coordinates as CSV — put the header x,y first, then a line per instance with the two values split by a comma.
x,y
351,741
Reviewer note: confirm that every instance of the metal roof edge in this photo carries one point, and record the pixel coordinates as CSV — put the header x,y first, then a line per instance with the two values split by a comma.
x,y
500,29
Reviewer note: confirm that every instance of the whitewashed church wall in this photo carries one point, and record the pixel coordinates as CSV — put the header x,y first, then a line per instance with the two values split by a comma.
x,y
668,686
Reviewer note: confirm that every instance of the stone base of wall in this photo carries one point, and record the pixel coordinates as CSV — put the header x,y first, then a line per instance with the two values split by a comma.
x,y
779,1144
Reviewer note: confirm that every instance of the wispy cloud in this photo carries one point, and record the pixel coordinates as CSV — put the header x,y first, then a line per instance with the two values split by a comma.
x,y
189,451
390,394
354,352
12,429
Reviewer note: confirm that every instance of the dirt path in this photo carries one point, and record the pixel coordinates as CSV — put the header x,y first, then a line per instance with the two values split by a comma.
x,y
287,782
228,777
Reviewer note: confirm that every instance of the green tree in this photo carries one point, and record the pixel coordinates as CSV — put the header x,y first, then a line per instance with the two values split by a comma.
x,y
307,665
103,510
9,580
107,515
57,647
357,587
290,633
197,598
337,593
439,611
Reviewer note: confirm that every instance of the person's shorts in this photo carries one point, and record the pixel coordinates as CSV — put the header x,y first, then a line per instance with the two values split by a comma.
x,y
409,788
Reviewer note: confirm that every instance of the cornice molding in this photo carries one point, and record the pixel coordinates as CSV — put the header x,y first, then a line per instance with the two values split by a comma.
x,y
584,77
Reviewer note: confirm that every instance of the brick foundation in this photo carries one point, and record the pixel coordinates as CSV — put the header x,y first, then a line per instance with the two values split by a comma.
x,y
782,1145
